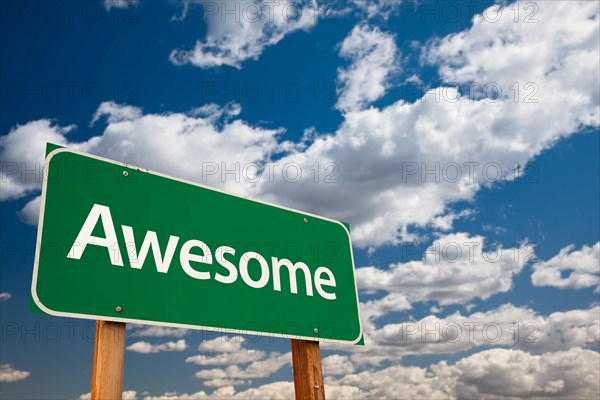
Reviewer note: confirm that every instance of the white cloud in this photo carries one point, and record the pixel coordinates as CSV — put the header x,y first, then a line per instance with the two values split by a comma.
x,y
257,369
562,330
231,353
184,12
337,365
270,391
558,53
371,310
158,331
116,112
507,325
214,111
145,347
175,142
492,374
378,8
382,155
500,373
22,153
374,151
9,374
244,32
374,309
169,143
374,59
455,269
223,344
435,382
582,266
273,391
224,382
186,396
5,296
110,4
242,356
435,310
30,214
127,395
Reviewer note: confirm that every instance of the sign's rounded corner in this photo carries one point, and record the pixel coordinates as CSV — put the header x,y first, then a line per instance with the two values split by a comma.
x,y
345,230
360,335
54,152
40,305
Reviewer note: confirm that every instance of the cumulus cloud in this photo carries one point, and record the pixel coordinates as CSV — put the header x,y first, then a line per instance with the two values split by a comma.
x,y
157,331
224,382
273,391
169,143
242,356
241,364
494,374
435,382
9,374
402,165
505,326
245,31
373,59
223,344
570,268
257,369
22,154
371,310
498,50
30,214
337,365
508,325
378,8
116,112
505,373
110,4
456,268
146,348
392,302
561,331
394,169
451,334
127,395
5,296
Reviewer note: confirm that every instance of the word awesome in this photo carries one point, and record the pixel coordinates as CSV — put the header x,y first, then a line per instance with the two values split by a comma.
x,y
225,271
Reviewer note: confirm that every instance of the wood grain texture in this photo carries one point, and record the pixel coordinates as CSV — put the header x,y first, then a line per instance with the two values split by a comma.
x,y
109,357
308,374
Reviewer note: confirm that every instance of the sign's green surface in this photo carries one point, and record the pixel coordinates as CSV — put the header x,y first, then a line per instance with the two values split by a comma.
x,y
125,244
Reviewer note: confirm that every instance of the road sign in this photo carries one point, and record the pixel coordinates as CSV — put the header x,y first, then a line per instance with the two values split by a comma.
x,y
121,243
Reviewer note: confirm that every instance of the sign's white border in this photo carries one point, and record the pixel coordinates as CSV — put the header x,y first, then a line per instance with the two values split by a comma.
x,y
159,323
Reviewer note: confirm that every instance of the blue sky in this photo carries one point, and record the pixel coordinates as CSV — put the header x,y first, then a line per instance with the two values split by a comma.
x,y
443,127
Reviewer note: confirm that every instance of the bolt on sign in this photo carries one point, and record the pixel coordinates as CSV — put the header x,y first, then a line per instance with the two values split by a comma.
x,y
125,244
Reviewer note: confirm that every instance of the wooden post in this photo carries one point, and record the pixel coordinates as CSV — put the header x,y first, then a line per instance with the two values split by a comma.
x,y
308,374
109,357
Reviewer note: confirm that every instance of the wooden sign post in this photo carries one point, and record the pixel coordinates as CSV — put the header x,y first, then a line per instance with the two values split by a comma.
x,y
308,374
109,357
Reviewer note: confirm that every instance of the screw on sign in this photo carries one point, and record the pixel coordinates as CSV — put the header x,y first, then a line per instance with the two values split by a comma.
x,y
133,242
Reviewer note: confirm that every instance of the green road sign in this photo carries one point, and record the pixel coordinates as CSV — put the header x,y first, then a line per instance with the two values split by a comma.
x,y
125,244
